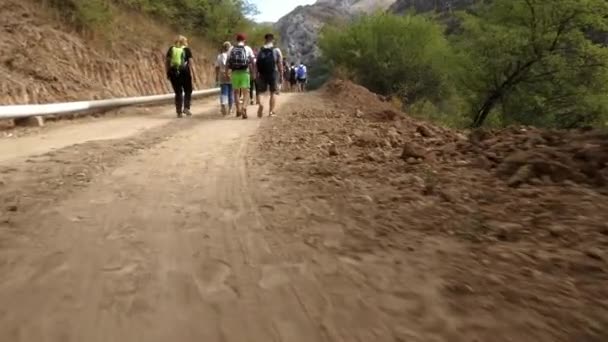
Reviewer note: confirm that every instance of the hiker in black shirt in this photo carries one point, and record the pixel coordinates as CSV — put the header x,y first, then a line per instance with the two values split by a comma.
x,y
179,67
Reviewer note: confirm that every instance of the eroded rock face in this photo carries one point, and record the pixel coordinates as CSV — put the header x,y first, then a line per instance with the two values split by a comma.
x,y
401,6
300,28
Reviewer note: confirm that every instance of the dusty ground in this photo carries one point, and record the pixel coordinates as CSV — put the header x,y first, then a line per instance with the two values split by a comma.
x,y
306,227
511,227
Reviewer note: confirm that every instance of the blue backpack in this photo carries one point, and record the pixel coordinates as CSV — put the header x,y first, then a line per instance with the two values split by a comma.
x,y
301,72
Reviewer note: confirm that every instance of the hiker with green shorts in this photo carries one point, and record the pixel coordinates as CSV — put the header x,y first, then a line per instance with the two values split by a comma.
x,y
240,65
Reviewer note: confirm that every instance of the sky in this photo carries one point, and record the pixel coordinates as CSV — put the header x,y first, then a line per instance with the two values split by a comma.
x,y
272,10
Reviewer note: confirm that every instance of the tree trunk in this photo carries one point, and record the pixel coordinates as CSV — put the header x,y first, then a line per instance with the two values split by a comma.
x,y
486,108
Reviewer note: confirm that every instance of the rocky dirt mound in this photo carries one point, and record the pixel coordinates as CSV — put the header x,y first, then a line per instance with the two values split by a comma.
x,y
518,154
530,155
529,206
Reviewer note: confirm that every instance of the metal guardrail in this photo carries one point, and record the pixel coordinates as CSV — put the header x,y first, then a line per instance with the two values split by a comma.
x,y
24,111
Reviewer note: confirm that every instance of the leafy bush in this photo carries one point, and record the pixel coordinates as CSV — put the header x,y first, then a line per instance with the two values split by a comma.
x,y
532,62
408,56
216,20
528,62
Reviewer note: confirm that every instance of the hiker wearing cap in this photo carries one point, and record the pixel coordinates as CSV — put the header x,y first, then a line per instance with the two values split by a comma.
x,y
179,68
222,79
240,64
270,73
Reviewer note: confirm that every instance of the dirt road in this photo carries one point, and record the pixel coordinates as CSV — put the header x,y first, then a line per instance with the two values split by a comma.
x,y
218,229
169,244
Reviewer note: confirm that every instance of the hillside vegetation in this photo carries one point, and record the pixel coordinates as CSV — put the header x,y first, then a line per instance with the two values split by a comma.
x,y
529,62
67,50
212,20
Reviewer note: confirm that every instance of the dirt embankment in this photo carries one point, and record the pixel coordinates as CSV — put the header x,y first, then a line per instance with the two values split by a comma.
x,y
528,209
44,60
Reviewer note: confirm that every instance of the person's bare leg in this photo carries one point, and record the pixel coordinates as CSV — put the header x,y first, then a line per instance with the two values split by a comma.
x,y
260,106
245,102
237,102
273,100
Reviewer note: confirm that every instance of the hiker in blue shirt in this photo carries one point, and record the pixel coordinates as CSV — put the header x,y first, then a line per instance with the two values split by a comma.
x,y
302,74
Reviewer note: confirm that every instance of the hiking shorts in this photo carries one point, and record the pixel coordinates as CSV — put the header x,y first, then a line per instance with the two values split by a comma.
x,y
241,79
301,80
266,82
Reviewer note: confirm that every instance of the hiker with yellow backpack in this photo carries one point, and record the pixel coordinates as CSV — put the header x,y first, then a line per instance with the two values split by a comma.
x,y
180,71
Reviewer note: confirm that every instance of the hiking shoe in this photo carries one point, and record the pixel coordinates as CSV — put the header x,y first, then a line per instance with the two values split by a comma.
x,y
238,113
271,114
244,113
260,111
224,112
251,102
179,115
188,112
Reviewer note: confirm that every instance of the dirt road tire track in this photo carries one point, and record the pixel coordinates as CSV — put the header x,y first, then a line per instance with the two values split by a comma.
x,y
159,237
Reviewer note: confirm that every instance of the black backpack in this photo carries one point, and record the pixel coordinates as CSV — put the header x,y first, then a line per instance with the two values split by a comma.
x,y
292,73
266,63
238,59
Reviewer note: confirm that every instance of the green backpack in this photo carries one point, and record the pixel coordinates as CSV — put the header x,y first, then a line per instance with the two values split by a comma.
x,y
178,57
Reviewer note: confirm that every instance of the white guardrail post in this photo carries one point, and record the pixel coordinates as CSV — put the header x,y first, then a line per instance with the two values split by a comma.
x,y
24,111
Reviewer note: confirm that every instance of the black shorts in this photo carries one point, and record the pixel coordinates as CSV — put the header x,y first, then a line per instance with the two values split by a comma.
x,y
302,80
265,83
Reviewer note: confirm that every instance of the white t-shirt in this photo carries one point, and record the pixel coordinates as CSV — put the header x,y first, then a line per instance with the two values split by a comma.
x,y
222,60
248,51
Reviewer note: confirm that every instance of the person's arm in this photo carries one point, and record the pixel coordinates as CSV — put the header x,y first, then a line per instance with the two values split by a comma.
x,y
252,63
191,64
280,65
227,70
217,69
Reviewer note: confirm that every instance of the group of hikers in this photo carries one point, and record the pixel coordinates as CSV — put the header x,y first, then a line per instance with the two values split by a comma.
x,y
240,71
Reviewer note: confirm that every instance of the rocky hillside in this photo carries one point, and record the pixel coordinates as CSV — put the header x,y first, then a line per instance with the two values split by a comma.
x,y
300,28
401,6
44,59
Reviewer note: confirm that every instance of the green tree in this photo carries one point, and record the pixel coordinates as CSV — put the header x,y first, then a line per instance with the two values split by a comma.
x,y
533,61
392,55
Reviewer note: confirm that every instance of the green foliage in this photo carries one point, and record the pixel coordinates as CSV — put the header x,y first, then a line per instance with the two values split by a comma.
x,y
89,14
507,62
256,33
216,20
389,54
531,62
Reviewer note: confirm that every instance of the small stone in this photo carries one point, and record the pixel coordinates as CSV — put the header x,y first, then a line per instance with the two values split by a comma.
x,y
505,231
495,279
359,113
412,150
557,231
333,150
412,160
522,175
595,253
424,131
367,198
461,288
